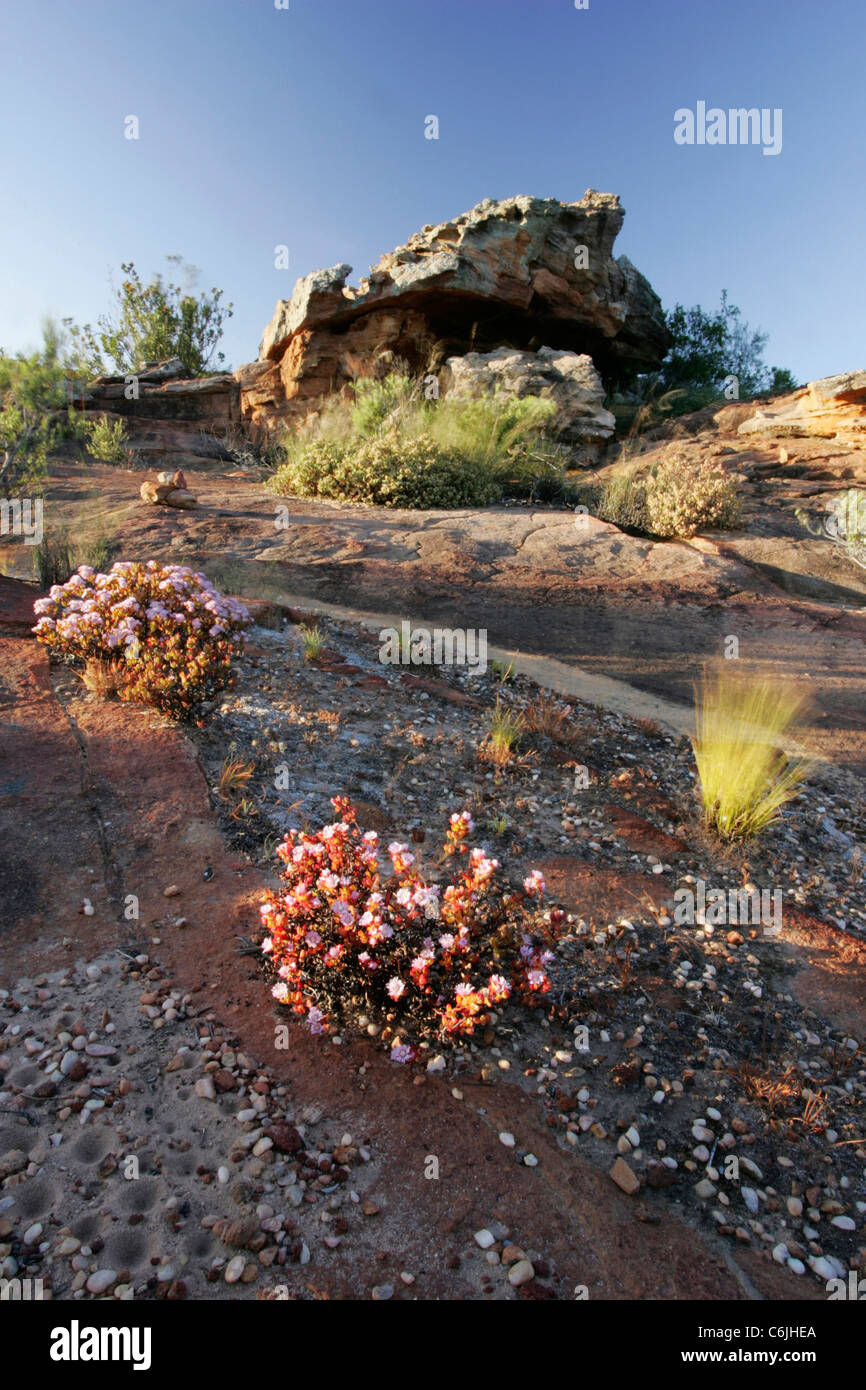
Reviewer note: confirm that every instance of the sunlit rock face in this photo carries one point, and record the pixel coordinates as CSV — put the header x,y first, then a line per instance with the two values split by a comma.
x,y
525,273
568,379
832,408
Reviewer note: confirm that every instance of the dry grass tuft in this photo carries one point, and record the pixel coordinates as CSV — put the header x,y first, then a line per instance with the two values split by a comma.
x,y
544,717
104,678
234,778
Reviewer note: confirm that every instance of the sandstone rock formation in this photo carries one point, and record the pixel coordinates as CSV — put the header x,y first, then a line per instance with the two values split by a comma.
x,y
173,417
161,391
569,379
832,408
522,273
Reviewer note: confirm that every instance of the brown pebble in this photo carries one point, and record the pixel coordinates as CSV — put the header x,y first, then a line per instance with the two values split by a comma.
x,y
286,1138
624,1178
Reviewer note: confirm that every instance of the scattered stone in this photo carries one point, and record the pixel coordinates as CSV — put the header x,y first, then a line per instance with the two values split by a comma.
x,y
101,1281
624,1177
521,1273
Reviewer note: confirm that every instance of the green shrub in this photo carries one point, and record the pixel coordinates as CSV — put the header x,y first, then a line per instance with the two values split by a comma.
x,y
108,440
622,500
313,639
53,559
378,401
505,728
706,348
155,321
490,430
386,471
392,447
32,393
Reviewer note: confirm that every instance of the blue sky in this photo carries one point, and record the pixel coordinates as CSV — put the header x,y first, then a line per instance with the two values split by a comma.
x,y
305,127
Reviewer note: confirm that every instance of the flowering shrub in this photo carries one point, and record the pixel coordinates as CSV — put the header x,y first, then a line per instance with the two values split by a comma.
x,y
168,631
418,962
683,497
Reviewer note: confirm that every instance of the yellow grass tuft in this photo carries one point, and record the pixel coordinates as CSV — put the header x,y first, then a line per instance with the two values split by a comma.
x,y
746,778
314,641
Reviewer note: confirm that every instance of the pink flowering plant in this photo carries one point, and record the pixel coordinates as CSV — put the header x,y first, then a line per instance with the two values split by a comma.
x,y
421,961
166,630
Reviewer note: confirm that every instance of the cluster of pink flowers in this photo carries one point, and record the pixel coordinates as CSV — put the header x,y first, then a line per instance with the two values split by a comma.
x,y
173,632
419,962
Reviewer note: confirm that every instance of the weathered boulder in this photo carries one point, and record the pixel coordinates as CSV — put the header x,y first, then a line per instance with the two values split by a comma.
x,y
176,479
167,494
518,273
832,408
171,369
569,379
157,393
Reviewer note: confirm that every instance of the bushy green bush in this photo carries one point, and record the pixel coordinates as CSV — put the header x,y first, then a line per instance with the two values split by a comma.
x,y
707,348
32,394
393,447
376,401
155,321
622,500
386,471
490,430
108,440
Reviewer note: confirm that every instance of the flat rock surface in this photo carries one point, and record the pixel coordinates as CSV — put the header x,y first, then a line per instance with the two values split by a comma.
x,y
545,582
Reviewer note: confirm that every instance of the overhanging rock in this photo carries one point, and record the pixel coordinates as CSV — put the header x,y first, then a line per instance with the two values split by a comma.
x,y
522,273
